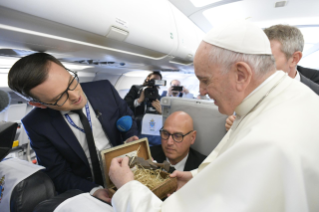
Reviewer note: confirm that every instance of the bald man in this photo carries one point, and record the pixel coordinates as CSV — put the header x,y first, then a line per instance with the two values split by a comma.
x,y
177,136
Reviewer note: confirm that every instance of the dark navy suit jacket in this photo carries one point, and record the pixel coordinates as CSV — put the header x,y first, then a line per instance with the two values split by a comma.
x,y
56,146
313,86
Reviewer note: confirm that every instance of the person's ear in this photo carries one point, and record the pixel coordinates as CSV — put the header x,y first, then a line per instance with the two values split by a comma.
x,y
193,137
243,75
295,58
37,104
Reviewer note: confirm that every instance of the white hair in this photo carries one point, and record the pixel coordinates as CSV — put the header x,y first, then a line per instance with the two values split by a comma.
x,y
260,64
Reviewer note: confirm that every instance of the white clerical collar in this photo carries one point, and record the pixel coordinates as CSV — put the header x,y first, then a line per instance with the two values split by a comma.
x,y
262,84
297,77
254,97
180,165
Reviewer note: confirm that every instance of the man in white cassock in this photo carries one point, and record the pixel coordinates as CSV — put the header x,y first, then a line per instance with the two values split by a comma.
x,y
268,160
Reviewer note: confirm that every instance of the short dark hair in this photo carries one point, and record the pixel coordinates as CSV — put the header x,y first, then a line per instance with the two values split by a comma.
x,y
155,73
29,72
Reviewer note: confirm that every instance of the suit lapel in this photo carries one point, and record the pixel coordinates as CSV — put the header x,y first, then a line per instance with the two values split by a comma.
x,y
66,133
99,105
189,164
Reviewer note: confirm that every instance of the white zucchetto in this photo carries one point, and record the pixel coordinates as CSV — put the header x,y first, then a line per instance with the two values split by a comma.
x,y
240,36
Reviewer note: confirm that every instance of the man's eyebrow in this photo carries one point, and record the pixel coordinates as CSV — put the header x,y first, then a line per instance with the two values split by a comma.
x,y
55,98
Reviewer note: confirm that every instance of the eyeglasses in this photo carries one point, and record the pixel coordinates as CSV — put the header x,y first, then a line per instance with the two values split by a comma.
x,y
65,95
177,137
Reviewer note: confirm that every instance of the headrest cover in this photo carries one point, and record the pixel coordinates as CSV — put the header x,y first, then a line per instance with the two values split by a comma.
x,y
240,36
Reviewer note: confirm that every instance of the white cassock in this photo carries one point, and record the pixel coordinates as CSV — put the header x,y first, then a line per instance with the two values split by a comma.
x,y
268,161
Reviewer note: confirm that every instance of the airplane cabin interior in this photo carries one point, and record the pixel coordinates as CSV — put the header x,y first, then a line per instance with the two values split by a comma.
x,y
123,41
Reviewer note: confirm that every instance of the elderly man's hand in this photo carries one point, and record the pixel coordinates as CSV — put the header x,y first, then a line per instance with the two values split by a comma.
x,y
120,172
103,194
182,178
229,121
130,139
157,105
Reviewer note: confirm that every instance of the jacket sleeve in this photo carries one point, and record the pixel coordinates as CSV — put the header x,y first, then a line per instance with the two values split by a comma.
x,y
57,167
124,110
131,96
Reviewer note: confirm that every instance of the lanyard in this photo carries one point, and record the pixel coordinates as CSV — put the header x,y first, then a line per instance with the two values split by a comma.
x,y
87,114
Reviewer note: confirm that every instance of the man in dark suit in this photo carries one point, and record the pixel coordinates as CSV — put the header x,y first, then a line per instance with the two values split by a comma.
x,y
177,136
71,121
135,98
286,45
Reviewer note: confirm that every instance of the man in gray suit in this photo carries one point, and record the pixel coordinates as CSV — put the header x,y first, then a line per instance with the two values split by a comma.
x,y
286,45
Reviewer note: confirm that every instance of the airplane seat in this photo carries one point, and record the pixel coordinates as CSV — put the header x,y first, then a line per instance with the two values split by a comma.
x,y
208,121
28,193
51,204
22,184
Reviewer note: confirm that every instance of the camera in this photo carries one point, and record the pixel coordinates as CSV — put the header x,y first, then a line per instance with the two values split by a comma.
x,y
177,88
151,93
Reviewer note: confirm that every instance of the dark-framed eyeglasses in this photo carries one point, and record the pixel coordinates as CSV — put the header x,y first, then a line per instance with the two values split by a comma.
x,y
65,95
177,137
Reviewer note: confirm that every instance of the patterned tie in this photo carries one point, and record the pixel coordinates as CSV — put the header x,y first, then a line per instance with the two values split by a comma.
x,y
97,174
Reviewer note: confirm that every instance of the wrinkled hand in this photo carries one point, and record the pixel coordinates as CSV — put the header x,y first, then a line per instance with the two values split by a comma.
x,y
130,139
103,194
182,178
229,122
157,105
141,98
120,172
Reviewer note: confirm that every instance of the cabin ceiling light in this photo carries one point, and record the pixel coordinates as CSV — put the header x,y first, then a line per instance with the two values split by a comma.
x,y
137,73
75,67
7,62
202,3
3,80
4,71
227,13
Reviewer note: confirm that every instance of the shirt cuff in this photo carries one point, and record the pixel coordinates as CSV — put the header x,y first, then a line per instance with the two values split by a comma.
x,y
136,104
93,190
194,172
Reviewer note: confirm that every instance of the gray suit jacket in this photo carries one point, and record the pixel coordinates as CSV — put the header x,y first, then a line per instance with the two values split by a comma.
x,y
311,74
313,86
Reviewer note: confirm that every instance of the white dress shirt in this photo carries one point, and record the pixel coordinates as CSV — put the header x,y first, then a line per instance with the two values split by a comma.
x,y
297,77
180,165
100,138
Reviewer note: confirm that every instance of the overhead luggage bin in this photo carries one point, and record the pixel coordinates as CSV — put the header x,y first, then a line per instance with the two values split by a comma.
x,y
189,37
141,27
